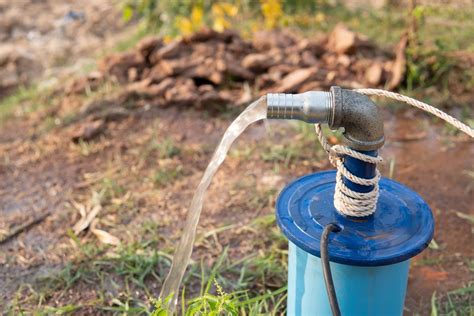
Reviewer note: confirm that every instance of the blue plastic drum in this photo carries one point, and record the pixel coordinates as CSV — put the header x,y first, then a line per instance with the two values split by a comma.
x,y
369,256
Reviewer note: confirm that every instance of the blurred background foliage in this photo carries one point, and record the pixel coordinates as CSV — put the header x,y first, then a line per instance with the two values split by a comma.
x,y
440,35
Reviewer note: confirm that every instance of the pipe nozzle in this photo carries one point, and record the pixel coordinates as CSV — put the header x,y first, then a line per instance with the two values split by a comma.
x,y
311,107
339,108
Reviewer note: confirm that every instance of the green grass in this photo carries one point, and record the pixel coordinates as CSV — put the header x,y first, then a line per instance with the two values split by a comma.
x,y
430,261
296,144
166,175
213,300
30,94
132,40
114,278
454,27
110,188
166,148
126,279
160,148
458,302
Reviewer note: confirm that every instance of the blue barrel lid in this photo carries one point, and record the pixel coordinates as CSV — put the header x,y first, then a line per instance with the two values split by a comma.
x,y
401,227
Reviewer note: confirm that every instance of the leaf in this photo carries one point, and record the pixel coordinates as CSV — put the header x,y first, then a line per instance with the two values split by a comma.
x,y
86,220
127,13
103,236
434,310
399,65
433,245
467,217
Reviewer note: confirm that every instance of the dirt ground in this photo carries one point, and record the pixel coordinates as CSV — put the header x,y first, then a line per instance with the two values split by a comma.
x,y
141,165
52,38
45,173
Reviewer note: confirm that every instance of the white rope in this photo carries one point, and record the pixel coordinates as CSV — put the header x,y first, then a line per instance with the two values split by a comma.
x,y
358,204
421,105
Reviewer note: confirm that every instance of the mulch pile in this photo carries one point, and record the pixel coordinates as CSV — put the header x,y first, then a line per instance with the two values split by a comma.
x,y
211,69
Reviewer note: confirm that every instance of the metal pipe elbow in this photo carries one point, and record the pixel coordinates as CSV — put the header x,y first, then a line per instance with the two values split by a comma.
x,y
339,108
360,119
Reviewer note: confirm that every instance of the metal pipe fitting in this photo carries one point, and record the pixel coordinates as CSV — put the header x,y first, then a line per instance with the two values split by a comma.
x,y
360,118
310,107
339,108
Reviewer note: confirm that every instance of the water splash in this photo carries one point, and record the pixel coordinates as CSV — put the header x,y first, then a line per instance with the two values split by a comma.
x,y
254,112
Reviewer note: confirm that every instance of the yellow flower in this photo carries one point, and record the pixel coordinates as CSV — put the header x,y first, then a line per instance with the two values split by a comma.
x,y
320,17
186,25
272,12
224,9
167,39
196,16
221,12
229,9
220,24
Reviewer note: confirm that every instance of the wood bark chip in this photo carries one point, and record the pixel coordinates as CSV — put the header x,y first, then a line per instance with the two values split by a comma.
x,y
103,236
85,83
237,71
183,93
224,64
88,130
147,45
87,216
308,59
168,51
342,40
373,75
258,62
294,80
207,34
399,66
147,89
117,65
205,72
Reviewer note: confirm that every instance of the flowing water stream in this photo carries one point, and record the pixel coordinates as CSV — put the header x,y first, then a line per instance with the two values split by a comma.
x,y
254,112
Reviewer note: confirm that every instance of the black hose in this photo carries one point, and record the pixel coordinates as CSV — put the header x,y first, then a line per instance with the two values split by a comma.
x,y
327,269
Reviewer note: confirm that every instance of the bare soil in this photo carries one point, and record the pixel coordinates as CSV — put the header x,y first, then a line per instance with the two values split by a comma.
x,y
49,38
47,173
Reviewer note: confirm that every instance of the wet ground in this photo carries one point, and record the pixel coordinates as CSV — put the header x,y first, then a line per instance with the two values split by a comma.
x,y
48,173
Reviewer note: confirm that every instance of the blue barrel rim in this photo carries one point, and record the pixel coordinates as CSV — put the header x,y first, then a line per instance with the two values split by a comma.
x,y
402,226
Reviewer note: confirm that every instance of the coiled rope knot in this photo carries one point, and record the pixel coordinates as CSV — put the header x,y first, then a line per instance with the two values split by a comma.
x,y
346,201
352,203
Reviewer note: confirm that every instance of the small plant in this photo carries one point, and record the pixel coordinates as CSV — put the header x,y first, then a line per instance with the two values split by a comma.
x,y
428,67
281,153
167,149
165,175
457,302
223,303
30,98
209,304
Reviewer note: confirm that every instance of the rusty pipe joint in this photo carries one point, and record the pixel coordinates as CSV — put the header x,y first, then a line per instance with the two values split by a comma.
x,y
355,113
